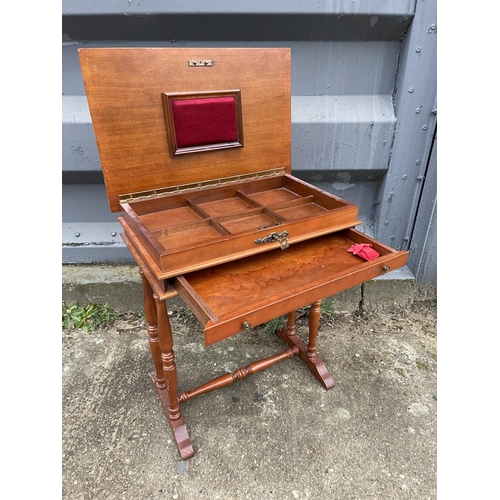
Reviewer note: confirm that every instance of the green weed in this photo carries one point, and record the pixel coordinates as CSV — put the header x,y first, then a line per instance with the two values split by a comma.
x,y
327,307
327,312
185,315
89,318
271,326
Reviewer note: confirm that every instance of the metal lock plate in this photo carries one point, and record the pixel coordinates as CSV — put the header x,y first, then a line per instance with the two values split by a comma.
x,y
281,238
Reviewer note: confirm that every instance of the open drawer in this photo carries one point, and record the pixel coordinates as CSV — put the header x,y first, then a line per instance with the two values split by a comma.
x,y
196,228
231,297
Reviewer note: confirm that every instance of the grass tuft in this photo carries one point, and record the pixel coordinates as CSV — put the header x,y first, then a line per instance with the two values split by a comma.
x,y
88,318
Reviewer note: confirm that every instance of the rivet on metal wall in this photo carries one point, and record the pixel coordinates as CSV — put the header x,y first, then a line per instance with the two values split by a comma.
x,y
424,127
386,223
417,162
417,50
113,234
393,237
418,110
77,235
420,178
405,177
434,111
411,89
406,238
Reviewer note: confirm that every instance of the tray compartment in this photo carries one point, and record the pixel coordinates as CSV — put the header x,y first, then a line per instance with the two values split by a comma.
x,y
300,210
274,196
179,237
225,206
221,223
242,223
168,218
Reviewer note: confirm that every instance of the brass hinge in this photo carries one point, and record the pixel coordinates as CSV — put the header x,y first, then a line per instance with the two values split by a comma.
x,y
200,62
154,193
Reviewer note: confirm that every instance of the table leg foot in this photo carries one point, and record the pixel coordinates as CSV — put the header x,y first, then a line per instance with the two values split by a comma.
x,y
179,429
314,363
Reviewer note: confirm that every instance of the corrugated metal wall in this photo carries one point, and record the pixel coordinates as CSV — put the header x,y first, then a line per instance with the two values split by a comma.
x,y
363,106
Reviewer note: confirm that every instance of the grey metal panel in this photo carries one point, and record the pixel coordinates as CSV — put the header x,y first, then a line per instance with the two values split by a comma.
x,y
229,20
87,233
236,26
147,7
85,203
325,68
72,82
90,232
423,247
344,68
415,105
79,148
342,132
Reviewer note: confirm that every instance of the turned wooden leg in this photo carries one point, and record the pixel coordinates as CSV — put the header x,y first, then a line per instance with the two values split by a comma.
x,y
307,353
314,314
167,357
290,326
169,397
152,328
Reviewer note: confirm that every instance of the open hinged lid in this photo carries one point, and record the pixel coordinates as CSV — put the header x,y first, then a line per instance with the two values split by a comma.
x,y
167,117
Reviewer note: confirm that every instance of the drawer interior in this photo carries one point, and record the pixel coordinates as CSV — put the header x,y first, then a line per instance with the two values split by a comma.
x,y
261,287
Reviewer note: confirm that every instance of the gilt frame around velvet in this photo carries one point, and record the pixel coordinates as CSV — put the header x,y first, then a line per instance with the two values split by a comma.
x,y
203,121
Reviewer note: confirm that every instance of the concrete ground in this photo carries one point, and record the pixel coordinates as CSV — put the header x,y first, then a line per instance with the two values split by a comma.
x,y
274,435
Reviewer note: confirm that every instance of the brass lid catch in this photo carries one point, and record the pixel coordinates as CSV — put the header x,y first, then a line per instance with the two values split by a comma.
x,y
281,238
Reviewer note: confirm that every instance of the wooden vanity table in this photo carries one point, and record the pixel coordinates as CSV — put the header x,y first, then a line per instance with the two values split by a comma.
x,y
195,146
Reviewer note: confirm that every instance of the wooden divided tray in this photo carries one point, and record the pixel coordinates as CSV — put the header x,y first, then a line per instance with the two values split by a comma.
x,y
208,226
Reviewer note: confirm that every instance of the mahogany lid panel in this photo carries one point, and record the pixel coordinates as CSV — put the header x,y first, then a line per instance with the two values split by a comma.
x,y
125,88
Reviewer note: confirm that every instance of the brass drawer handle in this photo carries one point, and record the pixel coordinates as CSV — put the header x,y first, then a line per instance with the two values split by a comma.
x,y
281,238
386,269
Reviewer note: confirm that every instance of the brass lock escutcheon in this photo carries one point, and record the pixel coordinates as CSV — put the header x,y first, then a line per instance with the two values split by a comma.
x,y
281,238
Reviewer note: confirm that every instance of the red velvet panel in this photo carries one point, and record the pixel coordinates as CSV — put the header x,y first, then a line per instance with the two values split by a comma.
x,y
204,121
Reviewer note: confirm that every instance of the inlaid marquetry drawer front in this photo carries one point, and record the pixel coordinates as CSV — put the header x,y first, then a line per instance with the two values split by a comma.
x,y
242,294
